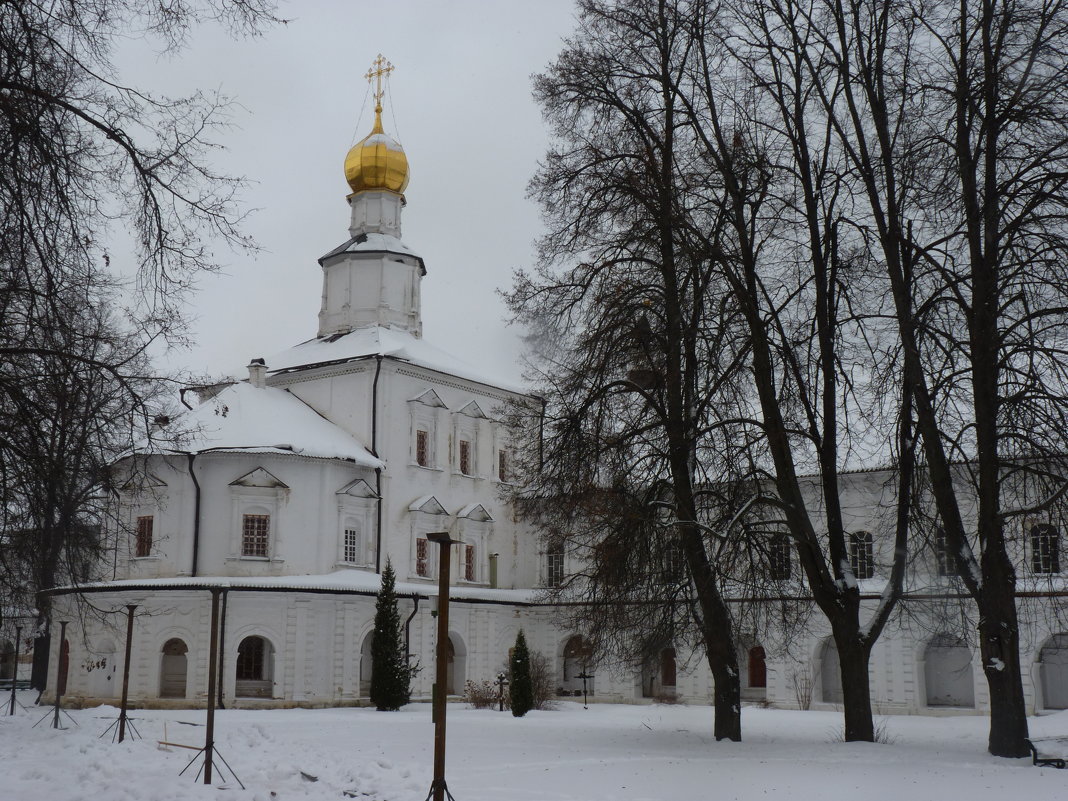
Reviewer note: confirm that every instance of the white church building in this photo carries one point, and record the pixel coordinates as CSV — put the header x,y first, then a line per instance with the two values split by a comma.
x,y
289,490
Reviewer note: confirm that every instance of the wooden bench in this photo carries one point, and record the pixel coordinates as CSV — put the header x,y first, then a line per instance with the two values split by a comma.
x,y
1044,758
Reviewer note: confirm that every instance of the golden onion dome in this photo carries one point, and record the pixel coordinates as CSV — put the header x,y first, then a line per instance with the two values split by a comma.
x,y
377,162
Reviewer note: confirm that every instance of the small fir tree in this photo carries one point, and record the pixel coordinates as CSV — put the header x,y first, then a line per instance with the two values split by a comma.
x,y
522,689
390,673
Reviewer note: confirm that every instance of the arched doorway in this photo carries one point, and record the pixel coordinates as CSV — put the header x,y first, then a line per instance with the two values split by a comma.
x,y
456,656
1054,670
830,673
173,669
8,668
577,659
758,668
668,671
254,669
947,672
366,665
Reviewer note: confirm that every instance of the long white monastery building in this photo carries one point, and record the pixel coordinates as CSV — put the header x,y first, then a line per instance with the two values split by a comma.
x,y
292,488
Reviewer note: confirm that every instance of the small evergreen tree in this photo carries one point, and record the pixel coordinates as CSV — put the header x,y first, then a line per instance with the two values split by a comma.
x,y
390,672
522,689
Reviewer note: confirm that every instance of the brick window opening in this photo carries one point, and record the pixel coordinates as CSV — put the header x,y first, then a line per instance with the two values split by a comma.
x,y
469,563
255,530
422,557
352,545
144,536
465,457
861,556
1045,548
422,448
502,465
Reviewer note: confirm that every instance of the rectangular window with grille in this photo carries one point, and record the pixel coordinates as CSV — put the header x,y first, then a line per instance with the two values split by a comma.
x,y
1045,548
502,465
465,457
779,558
469,563
946,561
352,546
861,555
255,530
144,536
554,568
422,557
422,448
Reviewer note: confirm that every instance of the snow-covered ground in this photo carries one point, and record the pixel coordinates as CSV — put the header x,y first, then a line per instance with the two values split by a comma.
x,y
570,754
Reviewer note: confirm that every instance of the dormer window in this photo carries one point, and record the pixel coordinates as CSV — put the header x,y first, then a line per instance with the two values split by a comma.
x,y
424,410
256,499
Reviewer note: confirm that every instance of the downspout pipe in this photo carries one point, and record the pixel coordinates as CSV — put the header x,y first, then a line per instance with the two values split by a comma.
x,y
408,631
196,512
378,470
222,648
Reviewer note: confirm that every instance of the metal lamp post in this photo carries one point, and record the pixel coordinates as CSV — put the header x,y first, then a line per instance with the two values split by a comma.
x,y
584,676
438,788
15,668
502,681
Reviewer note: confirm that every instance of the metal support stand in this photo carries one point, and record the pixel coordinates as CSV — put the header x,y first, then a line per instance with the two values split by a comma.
x,y
15,671
124,718
584,676
502,680
439,790
209,751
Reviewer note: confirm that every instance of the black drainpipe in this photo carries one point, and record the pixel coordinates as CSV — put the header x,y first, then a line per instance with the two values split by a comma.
x,y
196,512
408,632
222,647
378,470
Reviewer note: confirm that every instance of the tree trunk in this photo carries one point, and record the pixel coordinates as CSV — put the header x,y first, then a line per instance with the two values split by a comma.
x,y
856,692
999,645
727,697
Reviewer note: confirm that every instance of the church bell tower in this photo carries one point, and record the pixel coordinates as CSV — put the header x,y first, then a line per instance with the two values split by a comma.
x,y
373,279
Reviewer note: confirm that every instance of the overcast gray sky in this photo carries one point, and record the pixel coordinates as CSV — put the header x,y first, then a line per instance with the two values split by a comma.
x,y
459,102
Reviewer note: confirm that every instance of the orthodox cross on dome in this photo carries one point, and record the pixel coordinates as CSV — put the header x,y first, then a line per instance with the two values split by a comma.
x,y
379,67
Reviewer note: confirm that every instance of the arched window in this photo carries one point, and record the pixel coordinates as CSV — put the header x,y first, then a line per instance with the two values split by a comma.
x,y
830,673
947,671
779,558
255,658
173,669
577,660
1054,670
1045,548
668,668
861,556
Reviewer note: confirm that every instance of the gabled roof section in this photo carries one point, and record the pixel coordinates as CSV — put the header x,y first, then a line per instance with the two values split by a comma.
x,y
476,512
357,489
429,398
472,409
142,481
427,504
259,478
249,419
371,341
375,244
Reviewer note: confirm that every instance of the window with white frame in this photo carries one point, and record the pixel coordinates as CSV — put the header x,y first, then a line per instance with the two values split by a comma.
x,y
466,425
861,554
255,499
424,411
1045,548
351,546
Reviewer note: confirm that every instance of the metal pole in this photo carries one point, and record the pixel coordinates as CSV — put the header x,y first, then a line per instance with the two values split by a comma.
x,y
438,787
213,648
126,671
60,678
15,668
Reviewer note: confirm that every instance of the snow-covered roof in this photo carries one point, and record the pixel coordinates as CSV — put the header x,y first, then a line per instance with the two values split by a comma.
x,y
359,581
362,343
375,243
242,417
